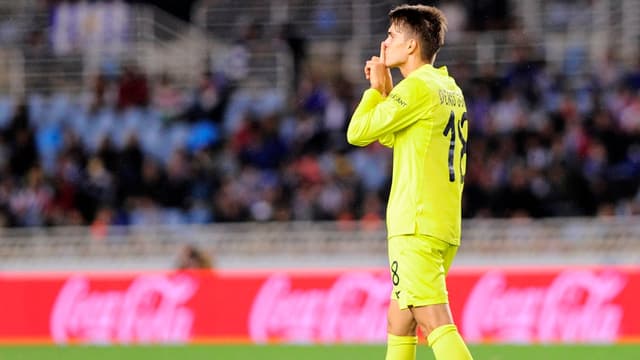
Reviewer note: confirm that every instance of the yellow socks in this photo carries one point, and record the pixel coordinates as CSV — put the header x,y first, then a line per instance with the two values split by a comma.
x,y
447,344
401,347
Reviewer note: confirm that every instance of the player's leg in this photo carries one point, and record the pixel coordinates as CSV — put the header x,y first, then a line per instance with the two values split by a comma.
x,y
401,327
401,333
430,317
442,335
435,319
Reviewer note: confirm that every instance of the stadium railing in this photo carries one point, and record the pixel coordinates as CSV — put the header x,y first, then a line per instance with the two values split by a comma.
x,y
155,40
558,33
558,241
567,36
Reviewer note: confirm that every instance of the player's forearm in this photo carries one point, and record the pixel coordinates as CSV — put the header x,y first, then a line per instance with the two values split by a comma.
x,y
359,132
388,86
384,85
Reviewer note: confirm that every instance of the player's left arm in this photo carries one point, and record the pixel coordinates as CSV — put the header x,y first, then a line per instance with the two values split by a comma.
x,y
377,117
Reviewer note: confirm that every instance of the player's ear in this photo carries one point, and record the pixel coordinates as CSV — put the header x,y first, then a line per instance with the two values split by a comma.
x,y
412,45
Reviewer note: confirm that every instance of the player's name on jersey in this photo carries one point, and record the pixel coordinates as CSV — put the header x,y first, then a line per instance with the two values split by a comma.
x,y
451,98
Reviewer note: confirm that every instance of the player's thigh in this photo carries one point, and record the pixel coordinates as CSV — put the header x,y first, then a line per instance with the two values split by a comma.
x,y
400,322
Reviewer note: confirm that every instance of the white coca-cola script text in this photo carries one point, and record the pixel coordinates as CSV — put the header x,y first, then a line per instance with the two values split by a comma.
x,y
577,306
150,309
353,309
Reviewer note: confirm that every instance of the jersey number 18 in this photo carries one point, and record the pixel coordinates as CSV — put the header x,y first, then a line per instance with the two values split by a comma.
x,y
450,130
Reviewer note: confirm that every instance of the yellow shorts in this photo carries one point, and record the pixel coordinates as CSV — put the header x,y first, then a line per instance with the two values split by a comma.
x,y
419,265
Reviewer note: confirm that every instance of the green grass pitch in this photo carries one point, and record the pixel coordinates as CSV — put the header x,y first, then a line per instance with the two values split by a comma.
x,y
308,352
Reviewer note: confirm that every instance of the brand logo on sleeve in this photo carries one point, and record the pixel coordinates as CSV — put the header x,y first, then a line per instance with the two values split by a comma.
x,y
395,97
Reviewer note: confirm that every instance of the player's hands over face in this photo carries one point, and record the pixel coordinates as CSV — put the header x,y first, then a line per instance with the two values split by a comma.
x,y
378,73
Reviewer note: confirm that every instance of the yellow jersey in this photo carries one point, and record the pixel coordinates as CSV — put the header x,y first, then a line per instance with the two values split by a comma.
x,y
424,120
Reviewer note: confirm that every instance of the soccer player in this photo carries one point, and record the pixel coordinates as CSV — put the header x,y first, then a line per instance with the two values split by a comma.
x,y
423,118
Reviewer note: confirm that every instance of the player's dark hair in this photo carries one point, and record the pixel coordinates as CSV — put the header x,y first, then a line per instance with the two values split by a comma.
x,y
427,22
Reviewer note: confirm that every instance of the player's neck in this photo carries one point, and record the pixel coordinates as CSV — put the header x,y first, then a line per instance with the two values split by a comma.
x,y
413,63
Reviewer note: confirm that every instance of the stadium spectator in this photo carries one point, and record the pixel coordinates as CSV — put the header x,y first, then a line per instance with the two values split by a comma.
x,y
194,258
133,88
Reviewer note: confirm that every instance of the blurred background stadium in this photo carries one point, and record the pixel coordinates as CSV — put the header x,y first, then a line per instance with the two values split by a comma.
x,y
129,129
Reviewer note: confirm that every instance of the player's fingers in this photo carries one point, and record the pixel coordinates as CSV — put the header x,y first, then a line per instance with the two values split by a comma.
x,y
383,56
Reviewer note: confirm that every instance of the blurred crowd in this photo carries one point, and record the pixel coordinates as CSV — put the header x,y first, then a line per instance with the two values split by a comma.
x,y
553,143
137,150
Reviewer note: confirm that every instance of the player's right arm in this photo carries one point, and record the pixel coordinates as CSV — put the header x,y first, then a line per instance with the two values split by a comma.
x,y
387,140
377,117
378,74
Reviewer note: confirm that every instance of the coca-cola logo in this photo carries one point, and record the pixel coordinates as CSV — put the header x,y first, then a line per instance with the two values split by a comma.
x,y
353,309
576,306
151,309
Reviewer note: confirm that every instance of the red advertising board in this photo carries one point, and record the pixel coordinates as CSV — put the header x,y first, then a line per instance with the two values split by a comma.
x,y
523,305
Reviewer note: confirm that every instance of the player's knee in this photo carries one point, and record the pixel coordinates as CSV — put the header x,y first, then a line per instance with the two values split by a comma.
x,y
401,328
432,317
429,325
